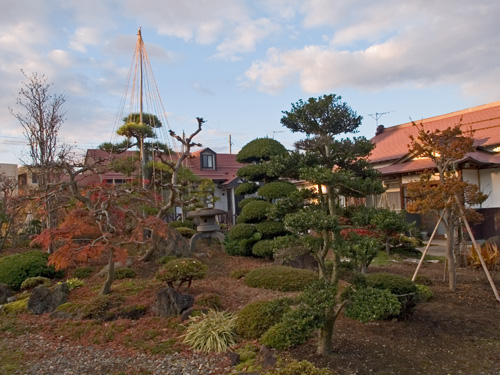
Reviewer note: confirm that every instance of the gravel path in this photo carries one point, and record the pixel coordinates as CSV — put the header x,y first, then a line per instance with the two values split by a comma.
x,y
45,358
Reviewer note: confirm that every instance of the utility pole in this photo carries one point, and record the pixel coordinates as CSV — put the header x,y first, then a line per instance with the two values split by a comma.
x,y
230,144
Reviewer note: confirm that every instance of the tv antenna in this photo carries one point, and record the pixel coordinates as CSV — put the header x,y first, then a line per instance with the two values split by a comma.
x,y
378,115
275,132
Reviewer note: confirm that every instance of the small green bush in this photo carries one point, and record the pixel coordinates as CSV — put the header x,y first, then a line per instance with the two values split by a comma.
x,y
185,224
245,201
271,229
257,317
370,304
74,283
165,259
16,268
133,312
263,249
394,283
209,300
32,282
424,293
253,172
254,212
213,332
180,271
101,307
241,232
239,272
83,272
186,232
277,189
299,368
246,188
285,279
124,273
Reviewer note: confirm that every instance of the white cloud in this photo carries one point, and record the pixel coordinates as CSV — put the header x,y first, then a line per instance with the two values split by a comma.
x,y
245,38
83,37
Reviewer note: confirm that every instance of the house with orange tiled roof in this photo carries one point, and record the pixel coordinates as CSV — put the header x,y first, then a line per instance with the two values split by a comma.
x,y
205,163
482,166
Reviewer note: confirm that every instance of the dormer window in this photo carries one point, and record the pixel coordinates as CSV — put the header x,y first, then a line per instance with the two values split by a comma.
x,y
208,161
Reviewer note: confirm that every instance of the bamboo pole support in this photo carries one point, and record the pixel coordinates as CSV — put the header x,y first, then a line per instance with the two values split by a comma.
x,y
427,247
477,248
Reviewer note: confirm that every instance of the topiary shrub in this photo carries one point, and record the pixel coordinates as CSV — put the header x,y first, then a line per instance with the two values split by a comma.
x,y
263,249
213,332
180,271
299,368
254,212
271,229
403,288
186,232
260,149
424,293
253,172
165,259
285,279
370,304
241,232
32,282
83,272
423,280
245,201
246,188
209,300
257,317
298,325
185,224
124,273
16,268
239,272
276,189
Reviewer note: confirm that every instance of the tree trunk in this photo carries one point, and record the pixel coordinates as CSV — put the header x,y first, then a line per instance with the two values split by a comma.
x,y
106,288
325,338
387,246
450,256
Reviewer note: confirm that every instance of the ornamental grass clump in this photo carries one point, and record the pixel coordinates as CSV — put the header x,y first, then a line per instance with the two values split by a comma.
x,y
211,332
180,271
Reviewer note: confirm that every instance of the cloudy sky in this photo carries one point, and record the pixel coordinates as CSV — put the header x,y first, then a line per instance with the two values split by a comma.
x,y
240,63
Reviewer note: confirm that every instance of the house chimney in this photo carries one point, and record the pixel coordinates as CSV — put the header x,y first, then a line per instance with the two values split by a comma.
x,y
380,130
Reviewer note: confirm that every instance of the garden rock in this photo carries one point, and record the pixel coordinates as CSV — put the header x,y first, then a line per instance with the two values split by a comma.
x,y
44,300
169,302
234,358
268,358
5,293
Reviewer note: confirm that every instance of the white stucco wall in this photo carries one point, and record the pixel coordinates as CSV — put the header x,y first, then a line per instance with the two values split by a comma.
x,y
221,204
489,183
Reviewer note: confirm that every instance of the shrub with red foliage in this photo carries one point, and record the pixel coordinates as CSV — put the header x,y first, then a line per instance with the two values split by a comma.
x,y
364,232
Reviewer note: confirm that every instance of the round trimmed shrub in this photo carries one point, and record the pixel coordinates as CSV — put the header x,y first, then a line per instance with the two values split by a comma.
x,y
245,201
424,293
181,270
16,268
246,188
241,231
396,284
165,259
299,368
124,273
263,249
271,229
277,189
186,232
32,282
239,272
257,317
254,212
285,279
370,304
260,149
83,272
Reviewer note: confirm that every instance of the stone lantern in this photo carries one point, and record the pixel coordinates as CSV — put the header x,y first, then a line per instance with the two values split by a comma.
x,y
207,226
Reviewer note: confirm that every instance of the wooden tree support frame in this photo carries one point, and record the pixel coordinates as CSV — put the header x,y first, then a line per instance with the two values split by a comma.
x,y
475,245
